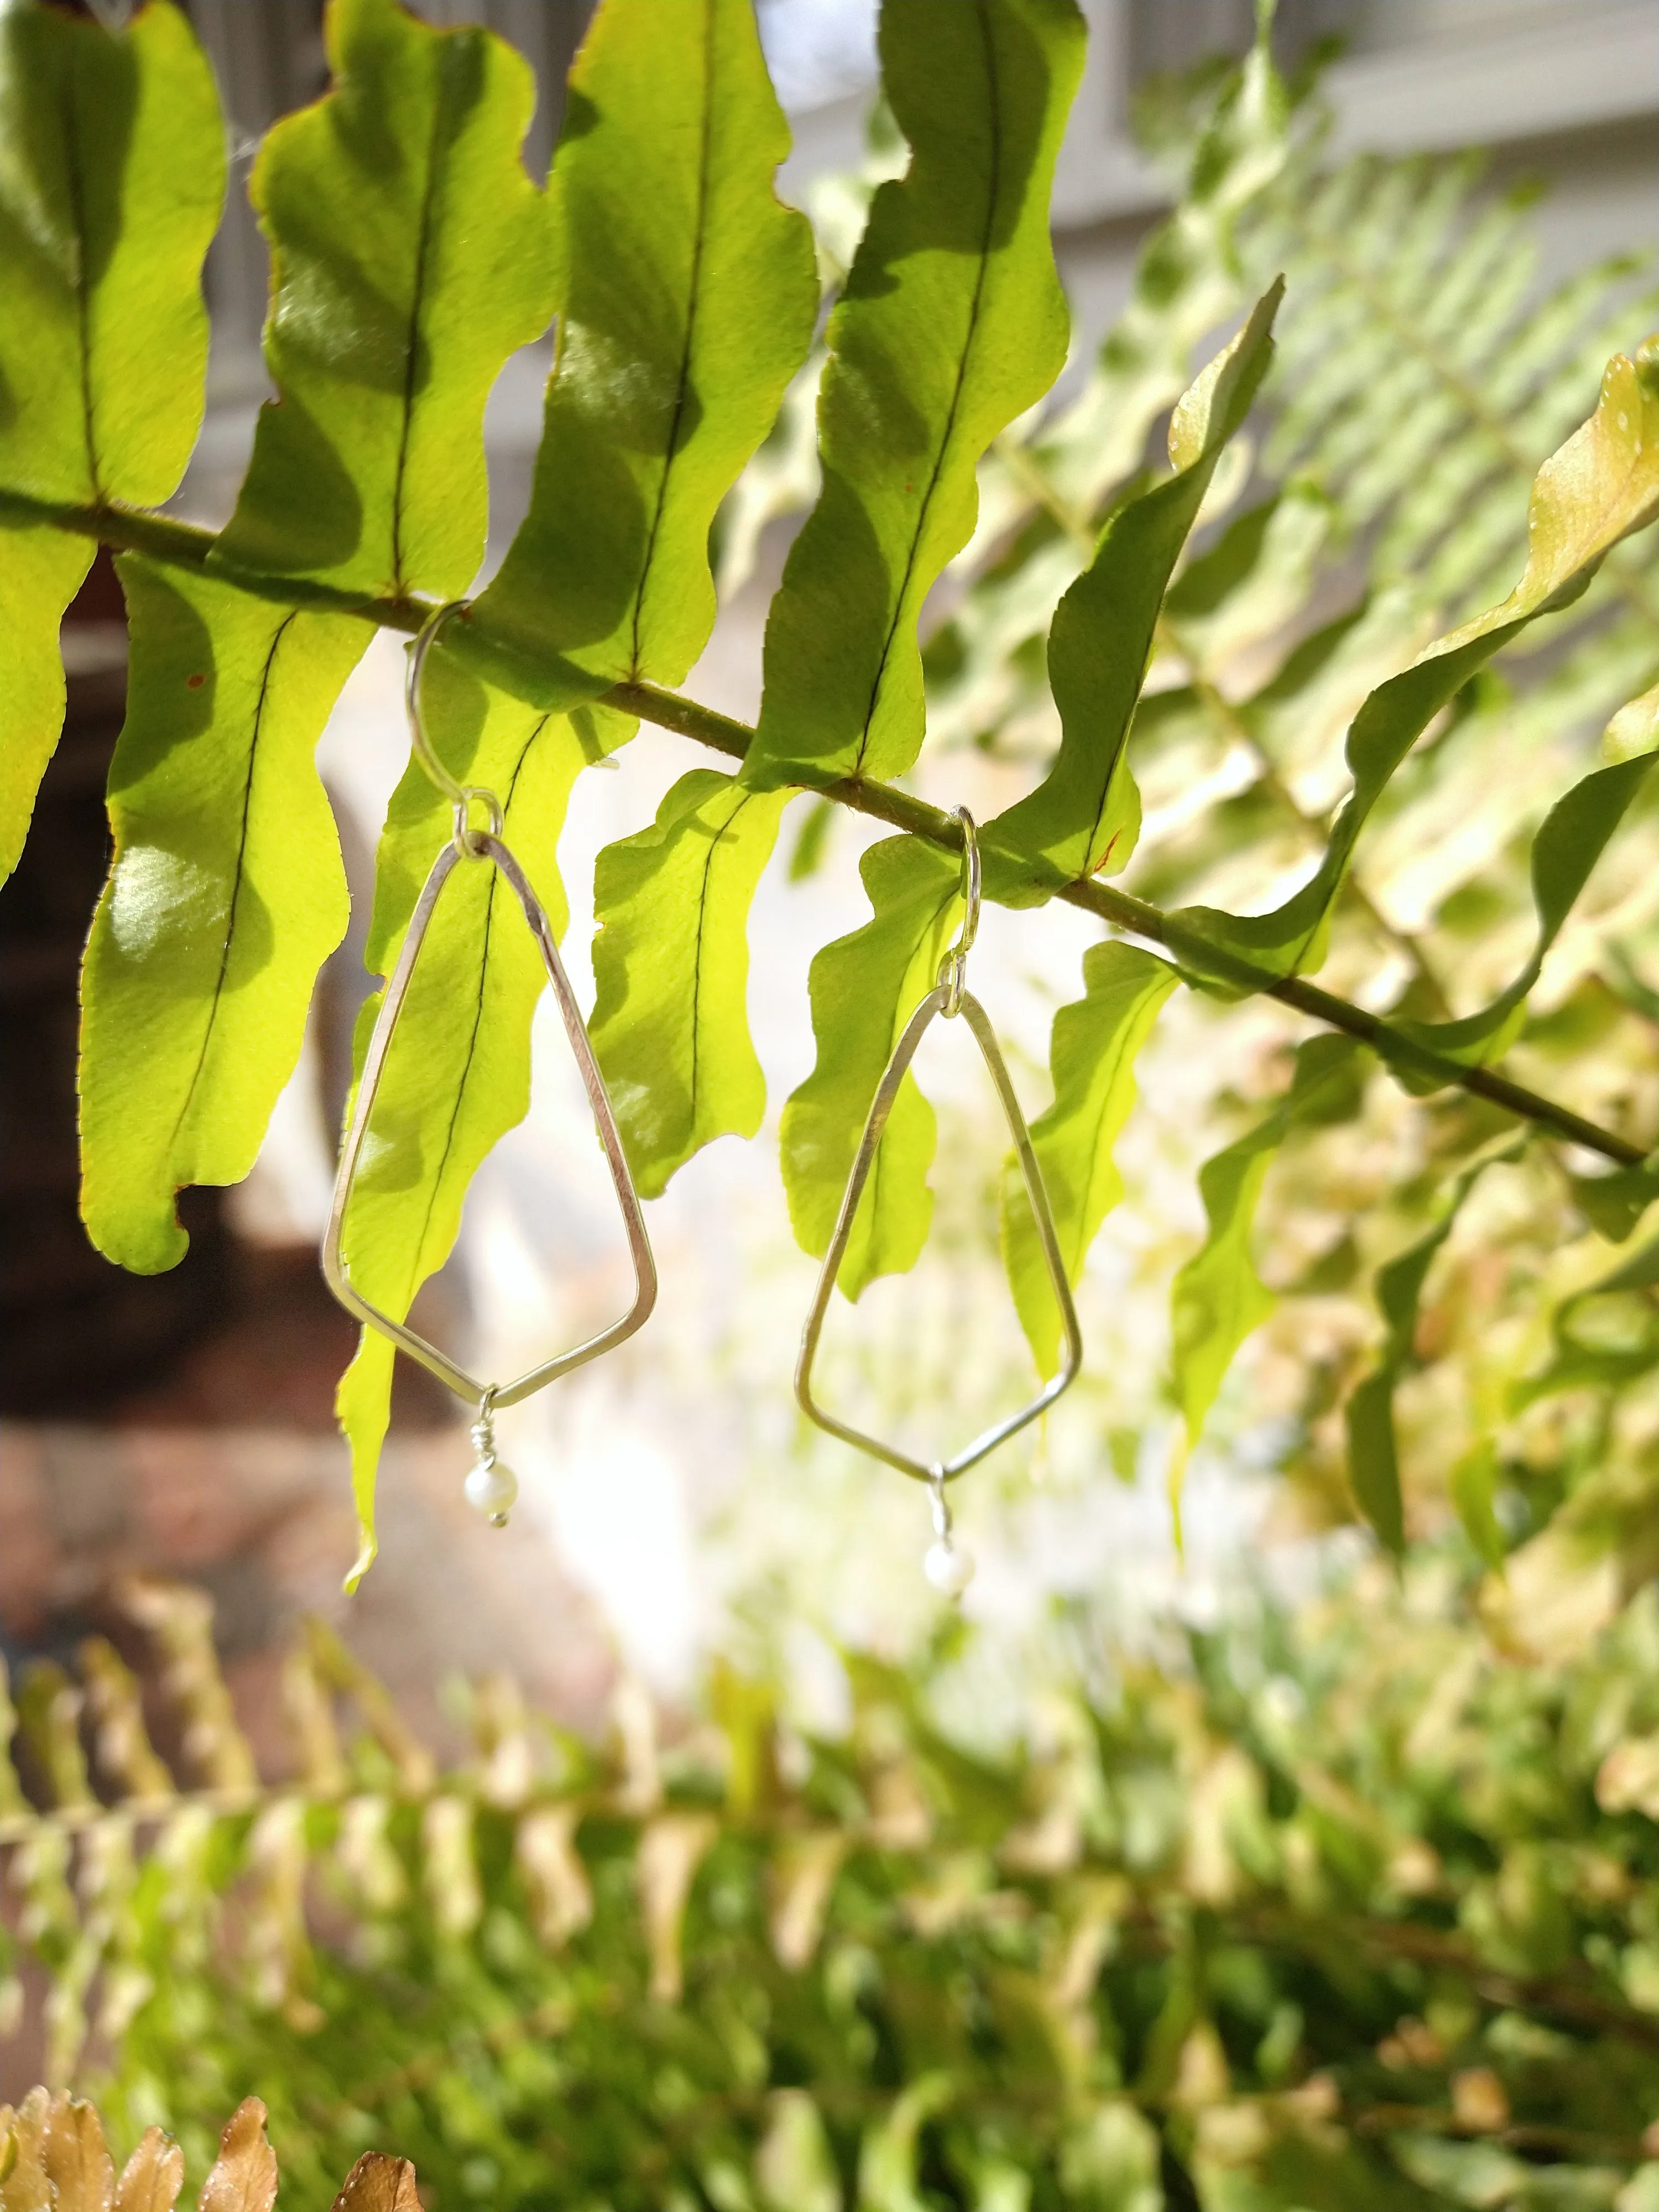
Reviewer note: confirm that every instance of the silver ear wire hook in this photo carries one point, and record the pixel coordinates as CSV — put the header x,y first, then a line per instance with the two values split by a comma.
x,y
468,840
490,1486
953,968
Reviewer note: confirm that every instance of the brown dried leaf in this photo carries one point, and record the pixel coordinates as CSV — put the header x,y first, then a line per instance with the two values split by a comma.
x,y
76,2159
378,2184
25,2188
244,2175
152,2177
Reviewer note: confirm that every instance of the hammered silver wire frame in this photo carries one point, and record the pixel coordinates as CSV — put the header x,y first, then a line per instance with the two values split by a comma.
x,y
472,846
948,997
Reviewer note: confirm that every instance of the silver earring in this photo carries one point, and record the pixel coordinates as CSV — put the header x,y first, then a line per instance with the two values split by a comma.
x,y
491,1486
948,1565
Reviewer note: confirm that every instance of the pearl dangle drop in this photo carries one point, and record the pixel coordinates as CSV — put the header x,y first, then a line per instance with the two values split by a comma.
x,y
948,1565
492,1487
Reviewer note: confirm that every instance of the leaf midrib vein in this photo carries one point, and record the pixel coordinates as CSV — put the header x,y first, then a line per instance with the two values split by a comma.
x,y
992,201
692,305
240,874
459,1099
400,584
75,182
714,845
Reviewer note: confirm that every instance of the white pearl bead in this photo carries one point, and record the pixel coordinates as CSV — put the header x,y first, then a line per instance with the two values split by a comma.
x,y
949,1567
491,1489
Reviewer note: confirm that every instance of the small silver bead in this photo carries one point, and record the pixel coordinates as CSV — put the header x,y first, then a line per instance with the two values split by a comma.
x,y
949,1567
491,1489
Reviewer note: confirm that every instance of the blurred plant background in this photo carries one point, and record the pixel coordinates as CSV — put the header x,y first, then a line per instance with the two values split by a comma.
x,y
1257,1870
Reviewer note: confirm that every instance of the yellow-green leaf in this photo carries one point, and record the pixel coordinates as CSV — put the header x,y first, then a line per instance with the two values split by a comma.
x,y
951,324
1603,484
1218,1297
1084,817
864,988
686,303
226,893
1570,840
1091,1058
670,970
1373,1456
111,174
41,569
410,254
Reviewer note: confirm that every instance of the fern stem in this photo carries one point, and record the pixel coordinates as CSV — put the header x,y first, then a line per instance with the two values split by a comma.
x,y
185,545
903,810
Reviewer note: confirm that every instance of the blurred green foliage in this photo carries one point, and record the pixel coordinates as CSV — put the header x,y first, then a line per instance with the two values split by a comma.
x,y
1327,1905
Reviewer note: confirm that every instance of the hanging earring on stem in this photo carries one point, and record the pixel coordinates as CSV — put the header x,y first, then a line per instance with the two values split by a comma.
x,y
948,1565
491,1486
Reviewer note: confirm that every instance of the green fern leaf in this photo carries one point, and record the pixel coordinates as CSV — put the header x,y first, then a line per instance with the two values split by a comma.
x,y
226,893
864,988
1571,839
670,970
1601,485
1373,1456
687,300
1217,1297
1085,815
1188,282
951,324
1061,470
410,254
41,569
109,193
458,1073
1091,1056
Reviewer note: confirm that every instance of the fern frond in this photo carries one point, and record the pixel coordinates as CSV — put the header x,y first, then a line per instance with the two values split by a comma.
x,y
1421,381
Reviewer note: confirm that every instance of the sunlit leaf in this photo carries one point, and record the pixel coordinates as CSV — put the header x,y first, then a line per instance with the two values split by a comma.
x,y
686,301
41,569
1083,818
1091,1060
226,893
1373,1456
670,970
864,989
951,324
110,188
411,255
1603,484
1574,835
1219,1297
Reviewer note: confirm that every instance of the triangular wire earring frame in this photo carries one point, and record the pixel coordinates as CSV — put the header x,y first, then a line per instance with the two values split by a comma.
x,y
947,998
483,845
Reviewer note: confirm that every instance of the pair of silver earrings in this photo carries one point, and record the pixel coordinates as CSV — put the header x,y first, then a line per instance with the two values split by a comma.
x,y
491,1486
